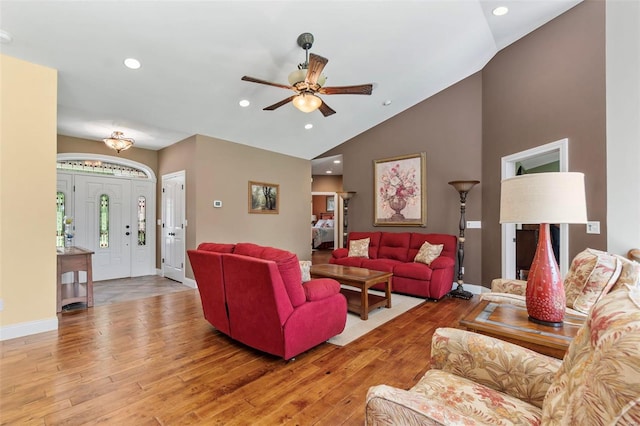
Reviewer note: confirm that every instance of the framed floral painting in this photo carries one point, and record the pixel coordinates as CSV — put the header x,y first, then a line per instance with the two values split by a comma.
x,y
400,197
264,197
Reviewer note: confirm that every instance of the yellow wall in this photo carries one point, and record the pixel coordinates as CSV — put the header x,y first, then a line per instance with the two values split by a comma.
x,y
27,217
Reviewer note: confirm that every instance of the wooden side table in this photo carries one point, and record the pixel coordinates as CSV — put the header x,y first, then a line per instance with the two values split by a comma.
x,y
74,259
510,322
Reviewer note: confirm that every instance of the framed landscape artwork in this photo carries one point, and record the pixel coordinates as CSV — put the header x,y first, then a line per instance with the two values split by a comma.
x,y
264,198
400,197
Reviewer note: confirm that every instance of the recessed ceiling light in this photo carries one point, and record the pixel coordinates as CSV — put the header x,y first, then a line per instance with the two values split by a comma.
x,y
244,103
5,37
500,10
387,102
308,126
336,161
328,172
132,63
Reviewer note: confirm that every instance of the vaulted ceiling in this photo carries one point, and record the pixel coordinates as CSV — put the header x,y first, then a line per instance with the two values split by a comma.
x,y
193,54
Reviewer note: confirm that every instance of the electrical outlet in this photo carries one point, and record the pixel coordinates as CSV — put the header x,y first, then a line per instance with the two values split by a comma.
x,y
593,227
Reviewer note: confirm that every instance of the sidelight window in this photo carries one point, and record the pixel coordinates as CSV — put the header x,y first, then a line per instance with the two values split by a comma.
x,y
142,221
60,219
104,221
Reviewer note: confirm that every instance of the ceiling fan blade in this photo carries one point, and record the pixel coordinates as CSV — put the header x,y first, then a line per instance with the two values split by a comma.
x,y
326,109
279,104
316,65
268,83
362,89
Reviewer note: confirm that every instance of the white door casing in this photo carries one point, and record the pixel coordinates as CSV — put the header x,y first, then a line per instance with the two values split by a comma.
x,y
173,225
561,148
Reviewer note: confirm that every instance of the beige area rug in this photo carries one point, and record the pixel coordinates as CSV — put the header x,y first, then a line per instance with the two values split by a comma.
x,y
356,327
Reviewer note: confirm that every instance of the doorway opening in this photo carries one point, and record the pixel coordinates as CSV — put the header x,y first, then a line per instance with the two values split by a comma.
x,y
554,155
325,220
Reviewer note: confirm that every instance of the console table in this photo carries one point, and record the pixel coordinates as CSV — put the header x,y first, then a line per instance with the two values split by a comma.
x,y
510,323
74,259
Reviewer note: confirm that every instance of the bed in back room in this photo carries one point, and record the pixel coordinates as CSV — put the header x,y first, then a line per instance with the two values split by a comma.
x,y
322,232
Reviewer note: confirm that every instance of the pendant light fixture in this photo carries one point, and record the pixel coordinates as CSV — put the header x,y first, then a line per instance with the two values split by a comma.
x,y
118,142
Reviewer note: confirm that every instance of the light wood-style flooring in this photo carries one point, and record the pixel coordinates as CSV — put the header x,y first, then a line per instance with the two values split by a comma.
x,y
156,361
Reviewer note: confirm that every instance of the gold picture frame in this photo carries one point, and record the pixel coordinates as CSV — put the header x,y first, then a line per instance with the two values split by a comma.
x,y
264,198
400,191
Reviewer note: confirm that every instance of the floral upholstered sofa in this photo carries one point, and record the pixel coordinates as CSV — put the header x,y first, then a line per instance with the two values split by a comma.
x,y
476,379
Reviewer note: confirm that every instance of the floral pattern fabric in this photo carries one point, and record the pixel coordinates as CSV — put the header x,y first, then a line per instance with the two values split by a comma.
x,y
591,275
359,248
475,379
501,285
599,381
428,253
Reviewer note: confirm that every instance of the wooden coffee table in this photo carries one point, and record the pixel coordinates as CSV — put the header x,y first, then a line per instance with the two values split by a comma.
x,y
359,302
509,322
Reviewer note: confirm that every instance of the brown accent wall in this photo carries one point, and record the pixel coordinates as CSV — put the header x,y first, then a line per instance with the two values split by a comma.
x,y
326,183
448,127
141,155
547,86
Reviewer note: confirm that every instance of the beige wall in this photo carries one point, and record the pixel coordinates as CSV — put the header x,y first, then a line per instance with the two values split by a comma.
x,y
27,161
141,155
448,127
220,170
548,86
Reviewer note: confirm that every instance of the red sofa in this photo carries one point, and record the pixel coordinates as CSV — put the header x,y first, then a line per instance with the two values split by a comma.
x,y
255,295
395,251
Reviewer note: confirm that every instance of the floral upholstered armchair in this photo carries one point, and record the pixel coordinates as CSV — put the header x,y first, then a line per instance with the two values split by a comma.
x,y
593,273
475,379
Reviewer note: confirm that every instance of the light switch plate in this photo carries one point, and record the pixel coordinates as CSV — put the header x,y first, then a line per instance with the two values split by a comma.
x,y
471,224
593,227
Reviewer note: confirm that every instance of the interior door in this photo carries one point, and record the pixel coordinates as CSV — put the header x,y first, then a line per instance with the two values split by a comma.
x,y
103,224
173,226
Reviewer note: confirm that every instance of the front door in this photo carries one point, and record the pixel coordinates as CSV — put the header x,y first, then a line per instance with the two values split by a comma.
x,y
103,224
173,224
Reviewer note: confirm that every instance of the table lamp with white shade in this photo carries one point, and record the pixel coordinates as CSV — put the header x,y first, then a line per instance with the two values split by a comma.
x,y
544,198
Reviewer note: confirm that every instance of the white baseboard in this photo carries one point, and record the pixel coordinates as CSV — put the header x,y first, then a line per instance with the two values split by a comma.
x,y
27,328
190,283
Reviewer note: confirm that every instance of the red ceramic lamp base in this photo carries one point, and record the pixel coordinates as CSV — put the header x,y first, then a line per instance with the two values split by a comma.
x,y
545,292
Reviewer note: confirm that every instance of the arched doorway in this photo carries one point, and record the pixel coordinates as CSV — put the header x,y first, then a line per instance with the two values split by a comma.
x,y
112,202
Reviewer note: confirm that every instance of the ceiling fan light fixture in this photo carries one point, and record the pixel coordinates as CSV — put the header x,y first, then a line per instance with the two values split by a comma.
x,y
307,102
300,75
118,142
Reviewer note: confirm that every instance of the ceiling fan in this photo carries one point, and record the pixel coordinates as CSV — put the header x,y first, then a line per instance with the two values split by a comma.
x,y
307,81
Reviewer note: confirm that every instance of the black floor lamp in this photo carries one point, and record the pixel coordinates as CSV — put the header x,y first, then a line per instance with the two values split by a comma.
x,y
346,196
463,187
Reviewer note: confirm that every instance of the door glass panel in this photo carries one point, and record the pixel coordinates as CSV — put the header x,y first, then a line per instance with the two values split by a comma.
x,y
104,221
60,219
142,221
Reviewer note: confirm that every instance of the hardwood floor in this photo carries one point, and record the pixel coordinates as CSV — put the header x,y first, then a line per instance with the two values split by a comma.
x,y
157,361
